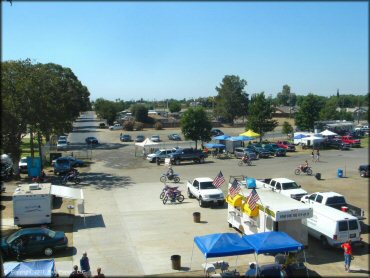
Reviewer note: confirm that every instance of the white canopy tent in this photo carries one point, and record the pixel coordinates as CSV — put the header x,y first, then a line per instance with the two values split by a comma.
x,y
327,132
146,144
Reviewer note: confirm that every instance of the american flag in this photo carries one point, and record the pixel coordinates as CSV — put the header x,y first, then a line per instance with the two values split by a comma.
x,y
253,198
235,188
219,180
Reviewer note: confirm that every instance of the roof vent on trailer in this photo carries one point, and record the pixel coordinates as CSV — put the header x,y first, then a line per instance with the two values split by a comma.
x,y
34,186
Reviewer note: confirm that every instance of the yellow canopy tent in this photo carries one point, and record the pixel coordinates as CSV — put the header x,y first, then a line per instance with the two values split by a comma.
x,y
250,133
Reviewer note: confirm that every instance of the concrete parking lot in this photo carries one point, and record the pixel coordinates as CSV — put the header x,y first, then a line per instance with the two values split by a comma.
x,y
128,231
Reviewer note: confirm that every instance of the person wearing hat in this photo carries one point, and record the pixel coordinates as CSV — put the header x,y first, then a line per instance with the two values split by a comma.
x,y
85,265
348,256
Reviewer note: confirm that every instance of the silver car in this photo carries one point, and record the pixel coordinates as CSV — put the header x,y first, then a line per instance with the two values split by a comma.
x,y
239,153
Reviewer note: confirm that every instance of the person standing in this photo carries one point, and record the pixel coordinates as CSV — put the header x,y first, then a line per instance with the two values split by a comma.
x,y
252,271
313,155
317,155
99,275
347,246
85,265
75,273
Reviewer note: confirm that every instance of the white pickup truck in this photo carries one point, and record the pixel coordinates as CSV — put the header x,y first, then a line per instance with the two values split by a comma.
x,y
206,193
115,127
334,200
283,186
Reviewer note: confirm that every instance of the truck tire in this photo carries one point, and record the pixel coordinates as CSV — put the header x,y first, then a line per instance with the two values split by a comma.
x,y
176,179
309,171
189,194
48,251
200,201
180,198
163,179
324,242
177,161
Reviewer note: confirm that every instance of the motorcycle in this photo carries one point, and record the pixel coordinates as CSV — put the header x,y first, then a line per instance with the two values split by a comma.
x,y
173,194
245,161
71,178
166,176
300,170
6,171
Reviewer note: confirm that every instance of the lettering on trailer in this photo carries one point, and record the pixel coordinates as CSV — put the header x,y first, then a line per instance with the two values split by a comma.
x,y
32,208
293,215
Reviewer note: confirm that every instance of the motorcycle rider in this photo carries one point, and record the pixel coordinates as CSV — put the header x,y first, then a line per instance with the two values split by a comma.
x,y
170,172
72,173
304,166
245,158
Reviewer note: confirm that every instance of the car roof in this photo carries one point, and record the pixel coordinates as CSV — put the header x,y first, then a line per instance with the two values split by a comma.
x,y
328,194
204,179
283,180
26,231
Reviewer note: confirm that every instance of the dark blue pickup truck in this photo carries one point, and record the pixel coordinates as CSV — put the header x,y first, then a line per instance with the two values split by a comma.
x,y
188,154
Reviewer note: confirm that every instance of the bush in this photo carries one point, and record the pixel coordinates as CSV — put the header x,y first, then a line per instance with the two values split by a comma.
x,y
128,125
158,126
139,126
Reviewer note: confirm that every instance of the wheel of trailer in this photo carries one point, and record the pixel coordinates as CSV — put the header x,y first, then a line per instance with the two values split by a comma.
x,y
176,179
161,195
48,251
189,194
324,241
163,179
177,161
77,180
297,171
309,171
240,163
201,203
180,198
165,199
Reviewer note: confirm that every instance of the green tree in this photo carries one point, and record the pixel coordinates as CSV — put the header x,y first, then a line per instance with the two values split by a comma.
x,y
106,109
140,112
195,125
174,106
287,128
309,112
285,97
232,101
329,111
260,115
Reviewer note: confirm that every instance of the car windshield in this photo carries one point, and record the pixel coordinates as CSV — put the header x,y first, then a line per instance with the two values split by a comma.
x,y
62,142
50,233
13,236
207,185
336,200
24,160
290,185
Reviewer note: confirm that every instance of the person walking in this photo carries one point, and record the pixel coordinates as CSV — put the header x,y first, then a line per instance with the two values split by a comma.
x,y
99,275
85,265
313,155
317,155
348,257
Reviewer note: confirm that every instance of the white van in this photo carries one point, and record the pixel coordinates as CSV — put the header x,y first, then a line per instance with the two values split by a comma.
x,y
333,227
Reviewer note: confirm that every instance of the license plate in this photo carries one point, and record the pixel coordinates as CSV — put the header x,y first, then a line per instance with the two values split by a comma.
x,y
352,235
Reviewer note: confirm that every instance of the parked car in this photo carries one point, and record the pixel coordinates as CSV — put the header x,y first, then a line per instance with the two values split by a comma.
x,y
274,149
74,161
102,125
62,165
261,152
91,140
174,137
239,153
286,145
63,137
140,138
364,170
22,165
34,241
116,127
336,144
160,154
155,138
62,144
125,138
216,132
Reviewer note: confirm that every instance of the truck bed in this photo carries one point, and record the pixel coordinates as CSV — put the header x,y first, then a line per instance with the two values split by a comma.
x,y
353,210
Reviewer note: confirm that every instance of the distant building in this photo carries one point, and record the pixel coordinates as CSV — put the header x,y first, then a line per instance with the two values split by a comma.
x,y
285,111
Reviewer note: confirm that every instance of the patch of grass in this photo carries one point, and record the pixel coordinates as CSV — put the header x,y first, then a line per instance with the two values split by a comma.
x,y
365,142
26,147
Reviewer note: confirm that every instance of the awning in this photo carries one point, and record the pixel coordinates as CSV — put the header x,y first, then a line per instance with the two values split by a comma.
x,y
67,192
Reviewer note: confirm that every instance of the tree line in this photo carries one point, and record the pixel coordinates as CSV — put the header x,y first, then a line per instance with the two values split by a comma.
x,y
38,98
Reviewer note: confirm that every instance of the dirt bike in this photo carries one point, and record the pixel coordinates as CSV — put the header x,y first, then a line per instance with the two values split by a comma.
x,y
300,170
71,178
245,161
173,194
166,176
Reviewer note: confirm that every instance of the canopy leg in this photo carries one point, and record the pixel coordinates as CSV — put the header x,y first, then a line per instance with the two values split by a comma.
x,y
304,254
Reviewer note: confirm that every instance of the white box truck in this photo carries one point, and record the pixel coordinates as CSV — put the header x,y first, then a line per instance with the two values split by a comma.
x,y
32,204
275,212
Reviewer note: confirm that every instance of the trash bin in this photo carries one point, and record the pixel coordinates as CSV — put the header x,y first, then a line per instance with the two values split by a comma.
x,y
318,176
176,262
196,217
340,173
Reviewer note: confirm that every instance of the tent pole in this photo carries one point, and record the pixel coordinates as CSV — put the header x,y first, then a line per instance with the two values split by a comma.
x,y
191,259
256,256
304,254
205,268
236,262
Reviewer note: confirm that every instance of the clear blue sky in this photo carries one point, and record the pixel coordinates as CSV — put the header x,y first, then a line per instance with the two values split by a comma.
x,y
158,50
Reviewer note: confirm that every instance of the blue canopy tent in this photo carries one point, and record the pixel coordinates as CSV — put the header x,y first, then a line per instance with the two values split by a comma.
x,y
42,268
215,146
222,245
240,138
300,136
222,137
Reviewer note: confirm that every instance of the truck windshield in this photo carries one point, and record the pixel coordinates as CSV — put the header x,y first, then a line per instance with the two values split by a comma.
x,y
335,200
207,185
290,185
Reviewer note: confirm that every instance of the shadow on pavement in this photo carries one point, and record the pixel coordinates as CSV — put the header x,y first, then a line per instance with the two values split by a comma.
x,y
88,221
102,146
79,130
102,181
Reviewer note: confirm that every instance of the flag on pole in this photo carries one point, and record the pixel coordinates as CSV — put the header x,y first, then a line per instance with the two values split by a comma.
x,y
235,188
252,199
219,180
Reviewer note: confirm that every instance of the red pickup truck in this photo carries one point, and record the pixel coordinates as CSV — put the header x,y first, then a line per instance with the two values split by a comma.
x,y
286,145
352,142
